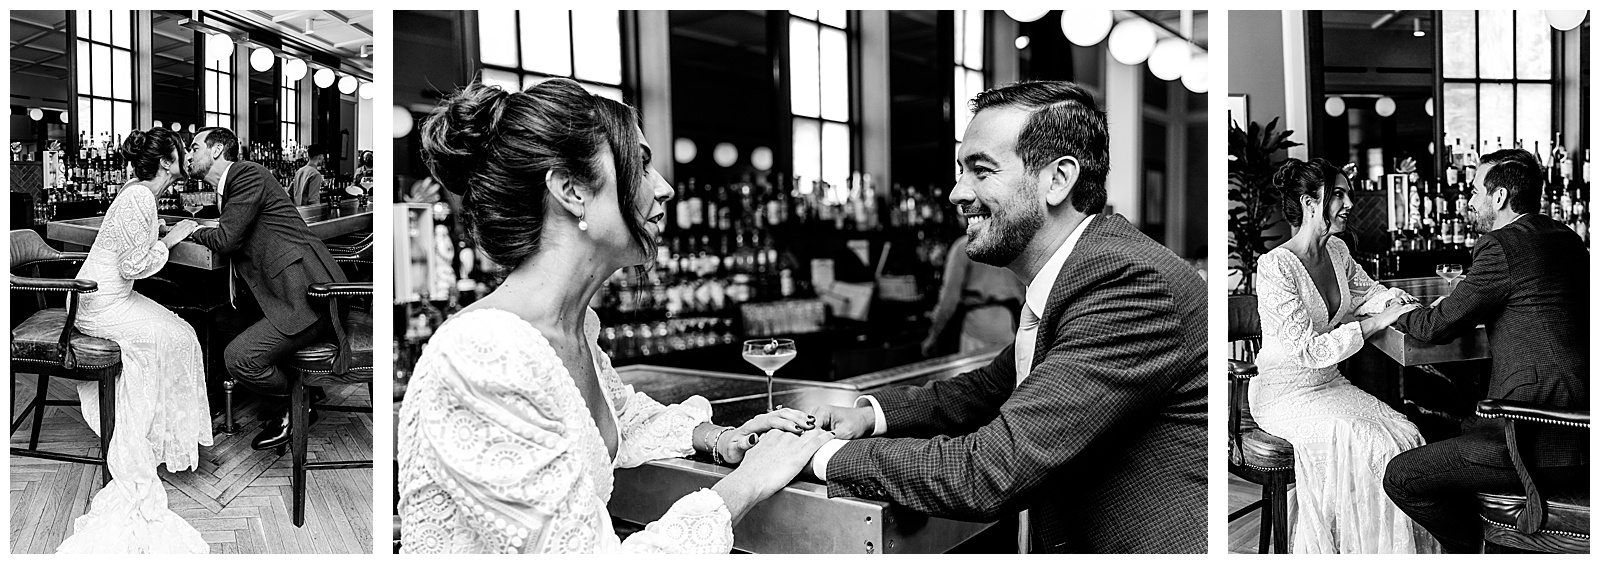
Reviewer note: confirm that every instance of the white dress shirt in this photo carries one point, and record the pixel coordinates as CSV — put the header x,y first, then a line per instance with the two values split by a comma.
x,y
1038,295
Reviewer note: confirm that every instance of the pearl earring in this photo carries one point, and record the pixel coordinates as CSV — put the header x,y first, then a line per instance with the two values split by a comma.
x,y
583,225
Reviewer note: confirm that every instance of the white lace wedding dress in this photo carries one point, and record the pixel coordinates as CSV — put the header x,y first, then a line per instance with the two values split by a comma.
x,y
1343,437
162,415
498,452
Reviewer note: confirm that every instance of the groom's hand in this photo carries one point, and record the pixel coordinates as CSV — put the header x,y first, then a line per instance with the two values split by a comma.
x,y
845,422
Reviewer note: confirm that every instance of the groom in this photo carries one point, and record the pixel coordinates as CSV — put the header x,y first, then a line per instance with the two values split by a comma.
x,y
269,247
1529,284
1094,421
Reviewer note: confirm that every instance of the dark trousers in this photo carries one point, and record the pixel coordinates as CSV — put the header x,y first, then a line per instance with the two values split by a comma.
x,y
1435,485
252,357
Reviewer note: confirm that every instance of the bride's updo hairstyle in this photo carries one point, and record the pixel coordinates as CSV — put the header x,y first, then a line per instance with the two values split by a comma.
x,y
1295,178
494,147
144,150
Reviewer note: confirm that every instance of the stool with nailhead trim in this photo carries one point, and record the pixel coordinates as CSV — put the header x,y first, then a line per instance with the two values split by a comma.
x,y
345,361
1552,518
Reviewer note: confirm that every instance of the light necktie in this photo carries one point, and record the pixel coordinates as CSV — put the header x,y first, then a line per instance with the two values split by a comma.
x,y
1027,333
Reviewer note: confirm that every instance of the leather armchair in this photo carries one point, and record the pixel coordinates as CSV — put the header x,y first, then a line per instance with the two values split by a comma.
x,y
1543,518
1255,455
49,344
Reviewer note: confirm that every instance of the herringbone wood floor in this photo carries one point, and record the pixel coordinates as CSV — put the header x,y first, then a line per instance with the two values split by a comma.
x,y
238,498
1244,535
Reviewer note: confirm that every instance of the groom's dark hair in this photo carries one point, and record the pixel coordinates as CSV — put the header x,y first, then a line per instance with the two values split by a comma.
x,y
1063,120
1517,171
224,137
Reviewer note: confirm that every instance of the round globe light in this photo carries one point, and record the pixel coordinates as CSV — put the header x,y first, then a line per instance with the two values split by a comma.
x,y
192,128
725,154
684,150
1026,16
761,158
1085,28
219,47
1197,76
1170,58
262,59
294,69
323,78
365,91
402,122
36,113
1565,20
67,119
1334,106
175,126
1132,40
1428,107
1385,106
1023,41
157,124
348,84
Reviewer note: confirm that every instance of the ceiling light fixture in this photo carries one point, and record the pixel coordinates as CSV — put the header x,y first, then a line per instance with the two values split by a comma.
x,y
1416,27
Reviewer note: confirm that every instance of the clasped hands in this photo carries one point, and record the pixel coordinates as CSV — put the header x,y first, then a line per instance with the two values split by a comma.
x,y
828,421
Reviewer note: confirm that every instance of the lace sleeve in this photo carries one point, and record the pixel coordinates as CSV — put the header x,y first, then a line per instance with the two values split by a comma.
x,y
133,226
487,465
492,459
650,431
1284,319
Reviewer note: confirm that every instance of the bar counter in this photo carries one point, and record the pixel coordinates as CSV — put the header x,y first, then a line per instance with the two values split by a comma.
x,y
325,221
1410,351
801,518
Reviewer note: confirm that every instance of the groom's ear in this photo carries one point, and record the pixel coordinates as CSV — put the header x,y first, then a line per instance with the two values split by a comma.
x,y
1063,178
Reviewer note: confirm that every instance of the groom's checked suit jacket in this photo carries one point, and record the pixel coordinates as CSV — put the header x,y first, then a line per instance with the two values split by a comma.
x,y
1529,285
272,249
1104,442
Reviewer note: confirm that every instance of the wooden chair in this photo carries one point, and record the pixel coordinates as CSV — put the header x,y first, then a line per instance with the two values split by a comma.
x,y
48,344
1254,455
345,360
1540,519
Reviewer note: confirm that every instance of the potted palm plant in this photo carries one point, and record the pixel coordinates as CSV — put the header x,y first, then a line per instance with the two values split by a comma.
x,y
1251,198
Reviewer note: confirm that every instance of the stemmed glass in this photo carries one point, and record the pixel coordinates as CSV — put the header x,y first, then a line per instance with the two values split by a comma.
x,y
769,355
1449,272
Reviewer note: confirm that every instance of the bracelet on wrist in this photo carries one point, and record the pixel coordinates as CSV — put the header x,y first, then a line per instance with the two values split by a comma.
x,y
716,453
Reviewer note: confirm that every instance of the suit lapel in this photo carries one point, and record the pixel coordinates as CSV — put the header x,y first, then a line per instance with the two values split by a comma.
x,y
1055,306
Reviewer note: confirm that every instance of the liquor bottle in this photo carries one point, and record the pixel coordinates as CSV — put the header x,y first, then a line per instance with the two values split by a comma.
x,y
1559,154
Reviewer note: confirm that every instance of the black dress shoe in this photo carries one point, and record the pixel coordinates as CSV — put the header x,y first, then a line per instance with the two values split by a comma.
x,y
276,432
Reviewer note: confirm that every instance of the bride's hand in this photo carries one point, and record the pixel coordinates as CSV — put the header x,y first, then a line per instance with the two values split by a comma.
x,y
1394,311
779,456
735,443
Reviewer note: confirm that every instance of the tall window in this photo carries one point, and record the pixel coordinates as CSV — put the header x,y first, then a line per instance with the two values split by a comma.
x,y
105,73
288,108
523,48
219,87
969,65
1498,78
819,96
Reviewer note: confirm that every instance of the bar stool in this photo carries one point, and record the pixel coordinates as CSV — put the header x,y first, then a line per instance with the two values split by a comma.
x,y
346,360
48,344
1255,455
1548,519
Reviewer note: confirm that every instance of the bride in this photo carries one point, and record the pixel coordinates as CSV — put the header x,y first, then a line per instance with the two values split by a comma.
x,y
1317,308
514,419
162,415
